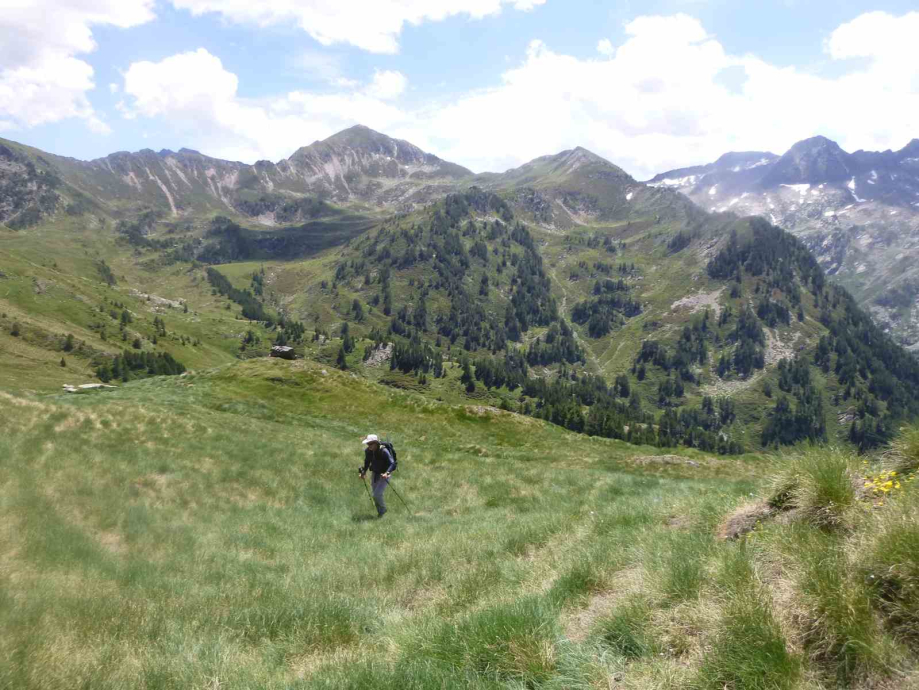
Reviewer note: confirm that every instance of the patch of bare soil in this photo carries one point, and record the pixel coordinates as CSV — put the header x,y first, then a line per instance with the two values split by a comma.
x,y
668,460
700,302
776,349
380,356
744,519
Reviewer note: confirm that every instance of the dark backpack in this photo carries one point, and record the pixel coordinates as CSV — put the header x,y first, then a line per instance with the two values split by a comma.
x,y
388,446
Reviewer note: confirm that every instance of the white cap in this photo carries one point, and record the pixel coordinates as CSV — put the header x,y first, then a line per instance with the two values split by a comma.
x,y
372,438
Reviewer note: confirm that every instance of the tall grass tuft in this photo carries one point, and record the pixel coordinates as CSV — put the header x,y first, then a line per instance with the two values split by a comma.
x,y
749,649
628,630
888,558
904,451
843,635
681,561
506,642
820,482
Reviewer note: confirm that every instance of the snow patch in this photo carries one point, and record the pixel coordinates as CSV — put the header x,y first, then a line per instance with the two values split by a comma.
x,y
713,190
851,186
733,201
675,181
628,197
831,212
799,188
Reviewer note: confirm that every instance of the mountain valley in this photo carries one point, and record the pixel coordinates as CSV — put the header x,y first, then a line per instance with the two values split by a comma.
x,y
562,289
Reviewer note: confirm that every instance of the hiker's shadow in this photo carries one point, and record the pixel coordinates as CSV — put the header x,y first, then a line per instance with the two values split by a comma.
x,y
363,518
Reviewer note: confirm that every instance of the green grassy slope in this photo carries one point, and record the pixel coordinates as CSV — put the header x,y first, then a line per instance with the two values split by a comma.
x,y
210,531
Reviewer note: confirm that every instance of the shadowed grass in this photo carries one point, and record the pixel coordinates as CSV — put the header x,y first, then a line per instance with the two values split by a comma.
x,y
749,649
628,631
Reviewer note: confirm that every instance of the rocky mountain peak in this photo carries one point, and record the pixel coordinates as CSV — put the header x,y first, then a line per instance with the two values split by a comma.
x,y
811,161
573,159
744,160
911,150
362,151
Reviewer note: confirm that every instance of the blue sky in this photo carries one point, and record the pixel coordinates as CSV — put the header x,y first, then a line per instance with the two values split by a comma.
x,y
488,84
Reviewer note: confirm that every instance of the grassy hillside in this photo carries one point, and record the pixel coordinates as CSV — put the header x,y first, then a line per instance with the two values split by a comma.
x,y
210,531
646,329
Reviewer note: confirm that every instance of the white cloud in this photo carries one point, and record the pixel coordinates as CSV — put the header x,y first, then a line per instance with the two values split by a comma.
x,y
373,25
198,98
605,47
387,85
41,80
660,100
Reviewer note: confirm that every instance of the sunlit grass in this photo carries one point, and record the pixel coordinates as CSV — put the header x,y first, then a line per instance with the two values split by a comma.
x,y
211,531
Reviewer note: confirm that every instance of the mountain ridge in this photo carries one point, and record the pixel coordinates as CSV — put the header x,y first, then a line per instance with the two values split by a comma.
x,y
858,212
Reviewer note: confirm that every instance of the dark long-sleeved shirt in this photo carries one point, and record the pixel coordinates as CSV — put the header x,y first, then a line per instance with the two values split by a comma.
x,y
379,462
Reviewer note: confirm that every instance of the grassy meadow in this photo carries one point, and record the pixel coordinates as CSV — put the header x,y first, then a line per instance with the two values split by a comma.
x,y
209,531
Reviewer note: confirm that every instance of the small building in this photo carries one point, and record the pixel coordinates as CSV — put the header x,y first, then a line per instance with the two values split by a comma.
x,y
282,351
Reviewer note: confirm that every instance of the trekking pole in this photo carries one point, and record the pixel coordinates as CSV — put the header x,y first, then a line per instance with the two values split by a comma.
x,y
364,482
401,499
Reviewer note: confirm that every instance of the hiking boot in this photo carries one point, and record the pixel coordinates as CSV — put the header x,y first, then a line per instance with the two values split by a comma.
x,y
381,513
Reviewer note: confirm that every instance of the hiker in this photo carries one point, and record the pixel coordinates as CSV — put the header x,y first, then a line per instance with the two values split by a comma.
x,y
381,464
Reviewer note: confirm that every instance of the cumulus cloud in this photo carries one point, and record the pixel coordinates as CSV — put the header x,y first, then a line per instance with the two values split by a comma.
x,y
198,97
373,25
671,96
387,84
41,79
668,96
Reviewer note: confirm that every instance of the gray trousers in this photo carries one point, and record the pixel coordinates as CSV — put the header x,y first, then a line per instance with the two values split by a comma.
x,y
379,486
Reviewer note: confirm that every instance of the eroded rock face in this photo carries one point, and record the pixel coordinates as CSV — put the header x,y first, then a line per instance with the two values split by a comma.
x,y
356,165
857,212
27,191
